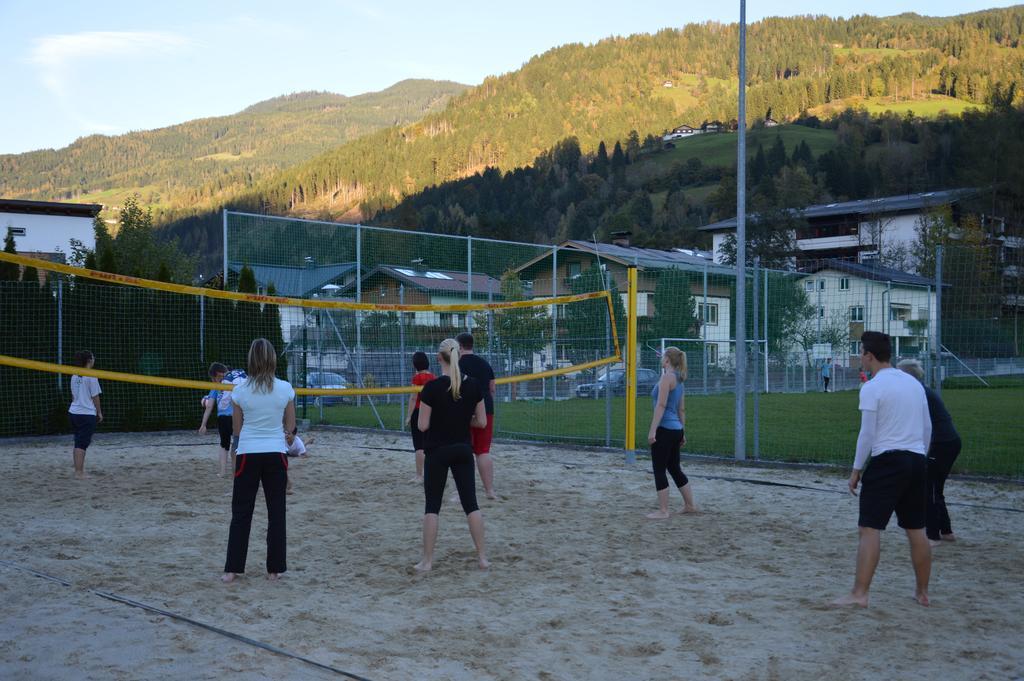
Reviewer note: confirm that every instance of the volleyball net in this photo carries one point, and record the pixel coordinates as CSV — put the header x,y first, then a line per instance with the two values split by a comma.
x,y
349,361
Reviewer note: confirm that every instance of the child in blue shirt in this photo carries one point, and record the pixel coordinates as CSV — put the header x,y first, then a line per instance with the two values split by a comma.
x,y
222,400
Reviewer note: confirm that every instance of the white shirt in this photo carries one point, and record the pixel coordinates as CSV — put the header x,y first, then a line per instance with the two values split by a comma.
x,y
263,414
297,448
899,408
83,389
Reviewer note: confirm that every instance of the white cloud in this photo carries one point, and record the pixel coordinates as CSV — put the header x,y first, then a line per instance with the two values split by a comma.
x,y
55,55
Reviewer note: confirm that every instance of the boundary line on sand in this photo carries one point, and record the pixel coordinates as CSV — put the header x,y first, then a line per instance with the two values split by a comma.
x,y
182,618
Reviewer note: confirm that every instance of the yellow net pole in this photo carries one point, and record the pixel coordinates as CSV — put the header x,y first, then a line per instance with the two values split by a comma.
x,y
631,361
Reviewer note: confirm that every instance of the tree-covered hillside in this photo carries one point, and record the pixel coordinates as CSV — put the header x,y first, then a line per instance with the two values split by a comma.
x,y
212,159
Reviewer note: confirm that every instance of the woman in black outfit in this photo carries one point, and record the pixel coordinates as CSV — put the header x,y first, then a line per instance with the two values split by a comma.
x,y
942,452
449,405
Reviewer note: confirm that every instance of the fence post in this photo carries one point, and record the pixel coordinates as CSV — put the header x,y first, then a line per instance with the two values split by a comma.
x,y
605,276
764,337
224,264
202,329
469,280
359,315
755,295
937,368
704,331
630,367
60,329
554,321
401,350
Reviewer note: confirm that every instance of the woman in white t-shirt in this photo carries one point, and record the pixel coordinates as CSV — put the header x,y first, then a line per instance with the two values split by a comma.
x,y
85,411
264,423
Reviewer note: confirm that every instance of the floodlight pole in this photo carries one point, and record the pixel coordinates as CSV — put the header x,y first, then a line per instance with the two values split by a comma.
x,y
740,443
224,270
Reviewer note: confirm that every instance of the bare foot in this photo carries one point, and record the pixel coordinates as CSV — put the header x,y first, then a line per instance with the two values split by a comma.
x,y
934,542
288,490
484,563
228,577
417,479
422,566
948,537
850,599
490,494
922,598
81,476
689,509
658,515
273,576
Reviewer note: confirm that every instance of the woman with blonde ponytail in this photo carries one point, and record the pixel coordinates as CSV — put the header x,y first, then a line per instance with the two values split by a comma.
x,y
666,435
449,406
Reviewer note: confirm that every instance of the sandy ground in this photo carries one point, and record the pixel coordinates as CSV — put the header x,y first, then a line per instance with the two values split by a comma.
x,y
582,585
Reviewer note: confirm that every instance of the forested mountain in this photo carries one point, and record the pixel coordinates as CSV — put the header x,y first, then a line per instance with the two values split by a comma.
x,y
214,158
626,91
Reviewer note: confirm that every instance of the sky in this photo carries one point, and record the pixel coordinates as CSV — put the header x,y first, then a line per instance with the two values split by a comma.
x,y
70,69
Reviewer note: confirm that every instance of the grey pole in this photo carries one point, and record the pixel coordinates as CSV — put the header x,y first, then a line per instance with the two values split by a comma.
x,y
359,321
554,321
401,348
469,279
764,336
202,328
740,438
224,264
938,320
757,362
704,332
607,351
60,329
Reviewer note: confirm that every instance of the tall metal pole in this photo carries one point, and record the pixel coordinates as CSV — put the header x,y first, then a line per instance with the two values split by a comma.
x,y
469,279
202,328
704,332
937,384
60,329
631,348
764,336
740,438
359,299
224,271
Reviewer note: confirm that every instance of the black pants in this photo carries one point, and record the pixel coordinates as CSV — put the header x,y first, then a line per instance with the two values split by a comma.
x,y
941,456
250,470
458,458
827,379
665,457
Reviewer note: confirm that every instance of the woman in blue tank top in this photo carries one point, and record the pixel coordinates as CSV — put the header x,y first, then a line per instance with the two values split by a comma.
x,y
666,435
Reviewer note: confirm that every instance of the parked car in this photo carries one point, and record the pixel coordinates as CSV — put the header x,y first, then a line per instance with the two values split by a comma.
x,y
326,380
646,379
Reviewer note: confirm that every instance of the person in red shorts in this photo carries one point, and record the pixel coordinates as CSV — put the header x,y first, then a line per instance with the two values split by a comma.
x,y
477,367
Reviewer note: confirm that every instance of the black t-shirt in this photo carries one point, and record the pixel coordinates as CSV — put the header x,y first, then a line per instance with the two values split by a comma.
x,y
449,419
478,368
942,422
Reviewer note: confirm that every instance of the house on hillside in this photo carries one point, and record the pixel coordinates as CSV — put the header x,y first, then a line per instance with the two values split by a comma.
x,y
770,123
855,230
712,127
394,284
668,83
680,132
711,285
850,298
45,229
298,282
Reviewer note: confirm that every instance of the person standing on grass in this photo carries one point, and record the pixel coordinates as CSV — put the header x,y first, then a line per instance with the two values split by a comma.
x,y
477,367
942,452
826,372
452,406
85,410
666,435
262,405
894,432
421,363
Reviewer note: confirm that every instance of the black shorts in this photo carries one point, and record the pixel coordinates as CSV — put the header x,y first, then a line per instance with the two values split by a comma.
x,y
418,436
84,426
225,427
894,481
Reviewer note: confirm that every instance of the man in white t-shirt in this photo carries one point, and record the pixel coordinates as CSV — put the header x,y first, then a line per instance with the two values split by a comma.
x,y
894,434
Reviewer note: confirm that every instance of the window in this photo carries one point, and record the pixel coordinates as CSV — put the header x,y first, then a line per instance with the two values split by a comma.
x,y
821,284
857,313
899,313
575,269
712,353
844,284
408,273
821,312
16,231
809,285
437,275
922,313
708,313
446,319
855,347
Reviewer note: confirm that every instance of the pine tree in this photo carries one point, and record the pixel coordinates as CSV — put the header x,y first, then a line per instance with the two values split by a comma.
x,y
9,271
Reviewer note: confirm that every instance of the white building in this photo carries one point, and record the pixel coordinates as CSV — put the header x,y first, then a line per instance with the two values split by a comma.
x,y
854,230
46,228
851,298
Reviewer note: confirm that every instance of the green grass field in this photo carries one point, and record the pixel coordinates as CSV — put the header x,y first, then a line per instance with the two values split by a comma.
x,y
804,427
930,107
720,149
683,92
